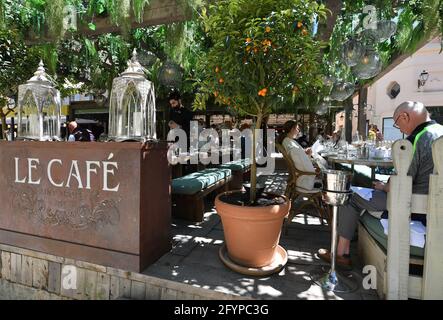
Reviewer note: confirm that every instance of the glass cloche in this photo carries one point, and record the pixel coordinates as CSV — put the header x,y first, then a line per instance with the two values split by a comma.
x,y
132,105
39,107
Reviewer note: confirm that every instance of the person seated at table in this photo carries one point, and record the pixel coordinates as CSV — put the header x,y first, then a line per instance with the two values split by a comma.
x,y
300,156
412,119
302,140
374,133
321,136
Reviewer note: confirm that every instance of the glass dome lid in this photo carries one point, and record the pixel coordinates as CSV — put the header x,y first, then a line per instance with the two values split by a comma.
x,y
132,105
352,52
386,29
39,107
342,90
369,65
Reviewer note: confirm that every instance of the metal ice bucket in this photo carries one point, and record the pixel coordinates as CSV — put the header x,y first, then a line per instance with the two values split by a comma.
x,y
336,187
337,181
336,198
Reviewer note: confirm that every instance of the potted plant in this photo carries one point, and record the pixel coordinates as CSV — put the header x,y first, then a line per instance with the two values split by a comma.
x,y
262,56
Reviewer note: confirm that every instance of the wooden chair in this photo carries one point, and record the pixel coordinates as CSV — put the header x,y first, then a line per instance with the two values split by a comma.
x,y
293,192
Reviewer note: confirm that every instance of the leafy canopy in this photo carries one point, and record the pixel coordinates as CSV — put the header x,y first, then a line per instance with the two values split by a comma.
x,y
263,54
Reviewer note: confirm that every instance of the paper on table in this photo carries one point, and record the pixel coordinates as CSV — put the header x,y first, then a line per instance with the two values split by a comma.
x,y
417,235
320,161
317,147
365,193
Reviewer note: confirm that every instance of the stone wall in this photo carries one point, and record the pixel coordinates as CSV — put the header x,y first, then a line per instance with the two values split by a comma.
x,y
28,274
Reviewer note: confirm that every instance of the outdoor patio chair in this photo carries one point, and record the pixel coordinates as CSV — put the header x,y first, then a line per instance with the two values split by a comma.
x,y
293,192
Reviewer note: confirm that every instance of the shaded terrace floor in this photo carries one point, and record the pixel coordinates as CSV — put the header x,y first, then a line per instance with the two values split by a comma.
x,y
194,259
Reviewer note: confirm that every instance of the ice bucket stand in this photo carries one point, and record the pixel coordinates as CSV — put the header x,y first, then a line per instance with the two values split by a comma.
x,y
332,280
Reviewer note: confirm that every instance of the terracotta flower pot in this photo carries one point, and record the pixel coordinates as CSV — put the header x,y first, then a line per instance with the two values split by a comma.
x,y
252,233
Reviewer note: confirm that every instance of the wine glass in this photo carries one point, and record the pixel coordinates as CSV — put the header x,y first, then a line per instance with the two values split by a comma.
x,y
357,140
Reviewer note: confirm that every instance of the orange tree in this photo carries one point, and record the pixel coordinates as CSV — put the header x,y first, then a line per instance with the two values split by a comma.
x,y
262,55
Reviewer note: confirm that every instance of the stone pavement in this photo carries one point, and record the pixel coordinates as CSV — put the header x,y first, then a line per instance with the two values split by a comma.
x,y
194,259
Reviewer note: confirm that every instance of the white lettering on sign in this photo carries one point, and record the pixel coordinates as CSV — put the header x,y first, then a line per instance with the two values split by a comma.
x,y
106,171
31,166
16,173
108,167
74,166
60,185
89,170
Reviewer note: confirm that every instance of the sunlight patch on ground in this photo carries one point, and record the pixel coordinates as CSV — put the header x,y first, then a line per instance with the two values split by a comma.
x,y
300,255
193,226
268,290
182,238
315,292
306,219
237,290
203,240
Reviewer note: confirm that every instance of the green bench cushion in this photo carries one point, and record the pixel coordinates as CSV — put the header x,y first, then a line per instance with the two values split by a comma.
x,y
375,229
197,181
242,164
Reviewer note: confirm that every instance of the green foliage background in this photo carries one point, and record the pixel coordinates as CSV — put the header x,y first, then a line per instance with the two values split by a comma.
x,y
262,54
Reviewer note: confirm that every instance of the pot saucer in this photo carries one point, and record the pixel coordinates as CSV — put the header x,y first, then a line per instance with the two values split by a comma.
x,y
279,261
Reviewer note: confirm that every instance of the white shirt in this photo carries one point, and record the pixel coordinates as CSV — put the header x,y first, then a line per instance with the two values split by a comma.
x,y
301,161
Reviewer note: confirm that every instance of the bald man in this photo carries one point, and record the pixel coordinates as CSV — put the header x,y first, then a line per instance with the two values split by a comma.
x,y
79,134
412,119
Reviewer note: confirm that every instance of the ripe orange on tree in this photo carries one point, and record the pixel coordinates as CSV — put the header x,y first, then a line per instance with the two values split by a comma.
x,y
221,80
263,92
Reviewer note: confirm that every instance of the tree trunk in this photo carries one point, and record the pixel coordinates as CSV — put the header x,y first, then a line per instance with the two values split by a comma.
x,y
348,119
4,126
362,103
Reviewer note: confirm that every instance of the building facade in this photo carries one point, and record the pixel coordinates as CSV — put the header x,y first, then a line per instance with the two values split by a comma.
x,y
402,84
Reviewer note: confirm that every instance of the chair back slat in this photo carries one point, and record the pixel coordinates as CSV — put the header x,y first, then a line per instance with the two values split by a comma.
x,y
399,207
433,266
293,172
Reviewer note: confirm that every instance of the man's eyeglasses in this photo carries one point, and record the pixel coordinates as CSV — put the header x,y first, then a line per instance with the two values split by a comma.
x,y
395,125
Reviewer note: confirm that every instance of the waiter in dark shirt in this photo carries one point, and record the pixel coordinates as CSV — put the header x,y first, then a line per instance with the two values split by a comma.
x,y
178,113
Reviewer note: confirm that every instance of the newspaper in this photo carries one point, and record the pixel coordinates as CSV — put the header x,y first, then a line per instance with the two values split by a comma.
x,y
365,193
417,232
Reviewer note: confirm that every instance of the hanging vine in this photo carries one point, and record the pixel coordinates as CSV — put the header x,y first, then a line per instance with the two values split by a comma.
x,y
120,13
139,7
54,18
2,15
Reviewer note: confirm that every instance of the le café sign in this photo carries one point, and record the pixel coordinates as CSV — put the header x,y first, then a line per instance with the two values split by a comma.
x,y
75,178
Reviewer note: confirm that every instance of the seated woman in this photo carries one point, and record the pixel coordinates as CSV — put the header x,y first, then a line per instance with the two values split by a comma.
x,y
300,156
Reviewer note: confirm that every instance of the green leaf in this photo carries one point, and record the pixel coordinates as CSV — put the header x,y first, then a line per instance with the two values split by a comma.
x,y
91,26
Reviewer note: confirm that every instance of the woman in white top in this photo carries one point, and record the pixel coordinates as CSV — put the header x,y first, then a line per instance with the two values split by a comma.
x,y
300,156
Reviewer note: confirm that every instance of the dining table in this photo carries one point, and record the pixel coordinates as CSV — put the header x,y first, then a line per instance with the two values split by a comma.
x,y
369,162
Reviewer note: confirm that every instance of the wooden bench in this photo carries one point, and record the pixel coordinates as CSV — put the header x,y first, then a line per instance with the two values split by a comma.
x,y
396,258
188,192
240,171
